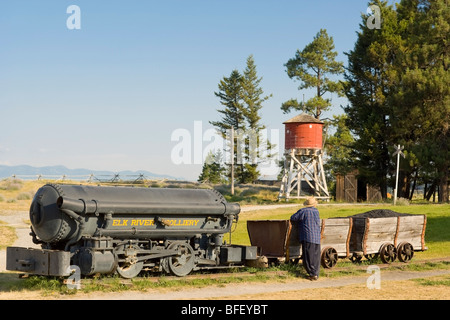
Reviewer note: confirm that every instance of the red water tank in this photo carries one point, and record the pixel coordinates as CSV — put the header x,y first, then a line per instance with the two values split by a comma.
x,y
303,132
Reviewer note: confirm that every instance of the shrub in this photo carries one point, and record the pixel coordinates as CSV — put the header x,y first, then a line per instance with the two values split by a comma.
x,y
24,196
11,184
403,202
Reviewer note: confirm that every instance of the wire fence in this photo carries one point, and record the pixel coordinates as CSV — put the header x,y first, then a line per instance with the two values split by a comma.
x,y
103,178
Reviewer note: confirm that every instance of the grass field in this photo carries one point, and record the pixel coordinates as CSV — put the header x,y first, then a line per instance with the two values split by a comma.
x,y
437,234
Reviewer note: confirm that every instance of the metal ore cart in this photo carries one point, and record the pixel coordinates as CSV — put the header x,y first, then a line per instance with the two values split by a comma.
x,y
389,237
279,239
275,239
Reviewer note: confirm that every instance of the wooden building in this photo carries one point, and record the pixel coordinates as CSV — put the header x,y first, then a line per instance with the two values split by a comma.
x,y
351,189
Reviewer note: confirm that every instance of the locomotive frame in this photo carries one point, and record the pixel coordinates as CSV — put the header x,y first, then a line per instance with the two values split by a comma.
x,y
127,230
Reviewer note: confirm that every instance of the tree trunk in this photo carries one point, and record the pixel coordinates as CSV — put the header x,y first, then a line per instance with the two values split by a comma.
x,y
413,188
431,191
443,186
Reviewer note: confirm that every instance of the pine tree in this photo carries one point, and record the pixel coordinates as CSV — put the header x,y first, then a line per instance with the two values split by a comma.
x,y
253,98
398,86
230,95
242,98
311,67
367,86
422,99
212,171
338,147
252,95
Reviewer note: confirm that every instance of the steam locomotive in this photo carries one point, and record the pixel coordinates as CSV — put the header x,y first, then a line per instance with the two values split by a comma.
x,y
106,229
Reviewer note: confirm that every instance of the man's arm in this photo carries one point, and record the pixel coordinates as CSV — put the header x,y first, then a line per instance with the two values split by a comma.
x,y
297,216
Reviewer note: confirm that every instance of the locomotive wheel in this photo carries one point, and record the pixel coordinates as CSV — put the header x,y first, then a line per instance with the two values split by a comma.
x,y
388,253
183,262
128,264
405,251
329,257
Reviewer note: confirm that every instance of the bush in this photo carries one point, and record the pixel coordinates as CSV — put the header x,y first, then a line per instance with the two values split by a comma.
x,y
250,191
24,196
11,184
403,202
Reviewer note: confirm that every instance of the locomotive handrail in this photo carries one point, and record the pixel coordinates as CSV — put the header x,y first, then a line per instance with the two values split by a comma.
x,y
95,207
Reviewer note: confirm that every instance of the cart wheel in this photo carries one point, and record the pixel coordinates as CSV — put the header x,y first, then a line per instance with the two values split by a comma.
x,y
371,257
273,262
329,257
356,258
405,251
388,253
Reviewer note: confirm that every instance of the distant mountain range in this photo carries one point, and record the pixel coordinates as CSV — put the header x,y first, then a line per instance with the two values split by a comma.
x,y
56,172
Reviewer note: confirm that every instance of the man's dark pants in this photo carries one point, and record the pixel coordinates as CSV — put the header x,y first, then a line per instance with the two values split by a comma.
x,y
311,258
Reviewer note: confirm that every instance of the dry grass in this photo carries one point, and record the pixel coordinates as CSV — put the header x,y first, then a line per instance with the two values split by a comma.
x,y
390,290
7,236
17,194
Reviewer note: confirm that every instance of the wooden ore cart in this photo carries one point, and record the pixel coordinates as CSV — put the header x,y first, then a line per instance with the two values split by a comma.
x,y
387,234
279,239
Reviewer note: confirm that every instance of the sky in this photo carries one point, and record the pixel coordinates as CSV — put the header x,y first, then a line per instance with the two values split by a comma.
x,y
112,94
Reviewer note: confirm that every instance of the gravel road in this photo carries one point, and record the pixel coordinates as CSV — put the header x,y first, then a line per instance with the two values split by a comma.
x,y
234,291
17,220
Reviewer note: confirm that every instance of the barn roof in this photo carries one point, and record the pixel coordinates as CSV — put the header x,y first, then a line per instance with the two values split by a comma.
x,y
303,118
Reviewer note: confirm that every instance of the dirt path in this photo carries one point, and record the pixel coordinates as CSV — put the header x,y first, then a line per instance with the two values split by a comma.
x,y
17,219
393,285
269,290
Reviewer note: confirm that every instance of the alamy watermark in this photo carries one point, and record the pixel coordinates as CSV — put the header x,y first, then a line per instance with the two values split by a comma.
x,y
250,146
374,280
74,280
374,19
73,22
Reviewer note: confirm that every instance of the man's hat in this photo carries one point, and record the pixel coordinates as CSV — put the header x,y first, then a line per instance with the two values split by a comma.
x,y
310,202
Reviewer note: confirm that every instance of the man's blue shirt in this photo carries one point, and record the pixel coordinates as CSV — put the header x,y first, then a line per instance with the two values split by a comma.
x,y
308,223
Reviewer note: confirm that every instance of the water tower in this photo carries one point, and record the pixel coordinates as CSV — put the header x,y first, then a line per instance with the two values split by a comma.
x,y
303,174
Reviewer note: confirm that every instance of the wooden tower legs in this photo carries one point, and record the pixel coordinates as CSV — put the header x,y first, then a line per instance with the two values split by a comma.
x,y
303,165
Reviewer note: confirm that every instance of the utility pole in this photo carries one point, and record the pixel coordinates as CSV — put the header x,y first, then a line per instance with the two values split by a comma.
x,y
232,161
398,152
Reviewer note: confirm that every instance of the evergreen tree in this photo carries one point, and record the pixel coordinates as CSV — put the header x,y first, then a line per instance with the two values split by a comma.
x,y
230,95
398,86
311,67
242,98
421,102
253,95
212,171
338,148
367,86
253,98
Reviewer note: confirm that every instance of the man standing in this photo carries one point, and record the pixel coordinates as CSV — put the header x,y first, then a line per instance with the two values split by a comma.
x,y
309,230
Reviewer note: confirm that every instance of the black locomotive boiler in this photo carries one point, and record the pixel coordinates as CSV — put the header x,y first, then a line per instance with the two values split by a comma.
x,y
127,230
